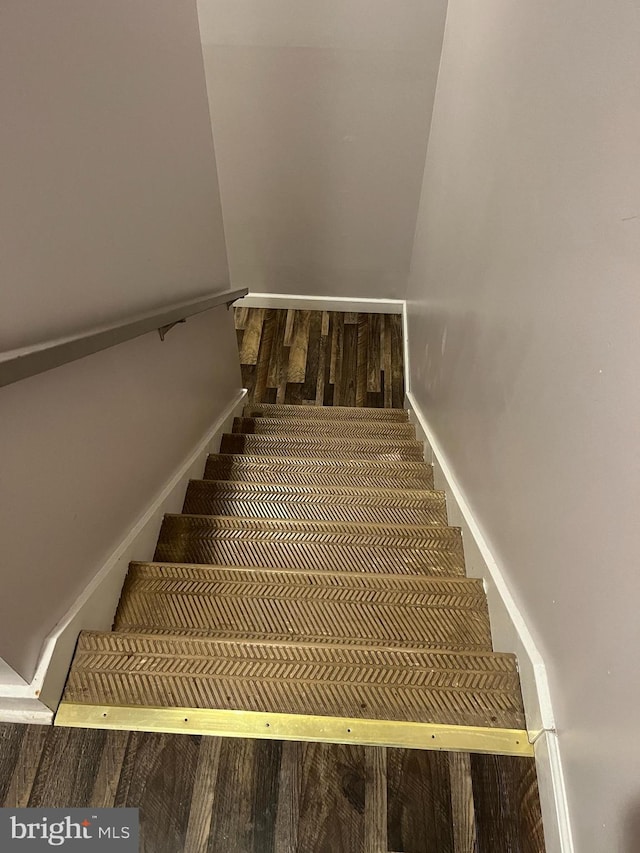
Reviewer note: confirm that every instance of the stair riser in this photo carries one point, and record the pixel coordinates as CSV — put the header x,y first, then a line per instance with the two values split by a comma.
x,y
262,445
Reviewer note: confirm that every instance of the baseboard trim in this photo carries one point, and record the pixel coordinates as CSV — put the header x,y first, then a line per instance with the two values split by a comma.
x,y
22,710
321,303
510,634
95,607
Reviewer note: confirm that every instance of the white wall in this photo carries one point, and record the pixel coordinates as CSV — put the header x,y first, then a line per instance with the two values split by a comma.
x,y
109,205
524,315
321,114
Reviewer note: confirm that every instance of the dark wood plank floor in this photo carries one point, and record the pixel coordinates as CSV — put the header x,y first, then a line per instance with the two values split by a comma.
x,y
226,795
322,358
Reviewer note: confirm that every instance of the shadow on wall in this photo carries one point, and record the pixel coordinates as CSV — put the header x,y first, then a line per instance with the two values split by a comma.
x,y
632,830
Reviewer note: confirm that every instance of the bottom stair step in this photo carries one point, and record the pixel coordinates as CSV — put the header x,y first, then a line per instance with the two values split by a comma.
x,y
291,680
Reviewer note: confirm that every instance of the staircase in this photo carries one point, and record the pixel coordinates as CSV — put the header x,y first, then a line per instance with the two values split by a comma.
x,y
310,590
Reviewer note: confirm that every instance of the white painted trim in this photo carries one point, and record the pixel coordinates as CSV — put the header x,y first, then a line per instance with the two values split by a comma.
x,y
553,795
96,605
321,303
405,348
510,633
25,711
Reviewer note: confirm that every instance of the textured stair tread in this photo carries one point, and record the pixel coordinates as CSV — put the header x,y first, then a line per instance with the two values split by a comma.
x,y
338,448
340,532
314,551
273,410
169,671
437,614
326,428
320,472
366,495
468,592
207,497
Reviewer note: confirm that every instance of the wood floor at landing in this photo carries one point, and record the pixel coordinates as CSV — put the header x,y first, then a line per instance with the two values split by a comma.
x,y
227,795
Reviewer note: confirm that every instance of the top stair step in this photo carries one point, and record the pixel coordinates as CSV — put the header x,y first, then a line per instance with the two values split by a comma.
x,y
332,413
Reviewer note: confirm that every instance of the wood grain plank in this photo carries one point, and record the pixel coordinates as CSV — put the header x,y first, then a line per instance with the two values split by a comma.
x,y
265,795
328,386
264,355
20,784
332,799
251,338
157,776
325,324
462,808
336,347
387,362
507,805
397,360
107,775
244,810
374,361
289,327
375,800
67,769
289,793
248,373
322,363
313,357
275,358
203,797
361,366
299,347
351,317
346,387
240,317
11,736
419,802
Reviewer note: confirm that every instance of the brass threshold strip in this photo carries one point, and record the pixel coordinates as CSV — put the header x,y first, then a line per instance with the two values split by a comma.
x,y
300,727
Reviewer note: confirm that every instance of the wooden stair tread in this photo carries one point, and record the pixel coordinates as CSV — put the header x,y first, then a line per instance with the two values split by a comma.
x,y
304,446
367,495
433,613
310,589
139,669
429,535
396,430
272,410
309,581
358,473
208,497
308,551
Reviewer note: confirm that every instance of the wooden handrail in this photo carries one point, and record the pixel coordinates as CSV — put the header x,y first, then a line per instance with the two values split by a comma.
x,y
28,361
